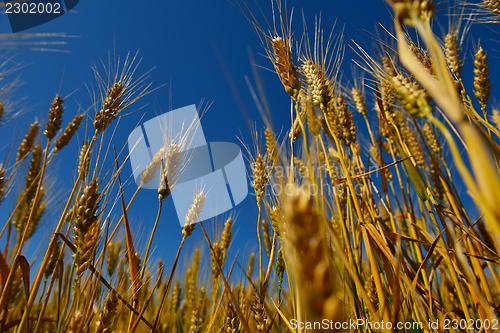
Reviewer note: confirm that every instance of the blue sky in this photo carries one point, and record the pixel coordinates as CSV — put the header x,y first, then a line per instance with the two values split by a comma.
x,y
180,40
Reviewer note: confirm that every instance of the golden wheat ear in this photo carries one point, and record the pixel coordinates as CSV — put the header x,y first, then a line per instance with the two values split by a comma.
x,y
311,264
285,66
150,172
271,146
110,107
193,214
231,321
227,234
84,160
113,258
108,313
452,53
55,117
28,141
482,84
69,132
86,227
262,320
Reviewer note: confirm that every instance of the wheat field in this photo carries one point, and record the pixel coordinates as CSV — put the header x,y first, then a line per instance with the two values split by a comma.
x,y
354,235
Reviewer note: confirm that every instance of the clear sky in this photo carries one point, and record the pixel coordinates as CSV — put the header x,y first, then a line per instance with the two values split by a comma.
x,y
181,40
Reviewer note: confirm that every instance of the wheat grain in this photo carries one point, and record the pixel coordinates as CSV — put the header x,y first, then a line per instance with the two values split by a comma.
x,y
27,142
196,321
69,132
296,128
232,324
387,97
55,117
482,84
32,175
227,234
262,320
113,257
249,271
306,106
304,172
332,119
413,96
378,159
284,65
193,214
437,185
423,56
110,107
76,324
371,291
150,172
271,145
190,286
495,118
53,260
414,146
242,302
452,53
108,313
432,139
359,101
202,303
346,122
86,226
493,5
28,196
84,159
217,259
176,297
276,219
486,235
319,85
260,176
311,264
388,66
280,268
267,237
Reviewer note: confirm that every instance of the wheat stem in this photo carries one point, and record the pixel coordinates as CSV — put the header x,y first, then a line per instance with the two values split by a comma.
x,y
260,242
150,242
170,278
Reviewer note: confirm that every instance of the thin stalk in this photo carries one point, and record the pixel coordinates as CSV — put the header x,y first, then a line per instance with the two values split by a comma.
x,y
62,323
448,263
260,242
145,260
165,294
292,146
